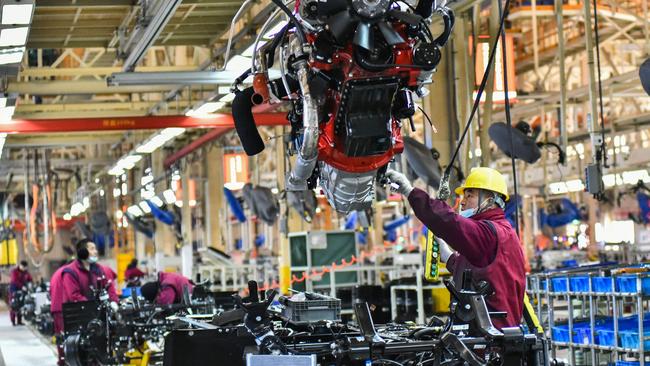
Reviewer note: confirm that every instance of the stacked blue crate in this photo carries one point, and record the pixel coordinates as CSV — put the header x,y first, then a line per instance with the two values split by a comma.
x,y
561,333
579,283
627,363
601,284
560,284
628,283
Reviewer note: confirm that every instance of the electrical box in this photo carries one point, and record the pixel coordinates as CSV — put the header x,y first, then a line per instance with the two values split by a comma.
x,y
314,250
594,179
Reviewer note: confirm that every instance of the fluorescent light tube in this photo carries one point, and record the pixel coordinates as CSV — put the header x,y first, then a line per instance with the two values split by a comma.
x,y
17,14
13,36
11,55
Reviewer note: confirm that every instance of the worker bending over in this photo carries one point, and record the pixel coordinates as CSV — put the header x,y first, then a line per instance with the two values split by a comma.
x,y
133,275
167,289
483,240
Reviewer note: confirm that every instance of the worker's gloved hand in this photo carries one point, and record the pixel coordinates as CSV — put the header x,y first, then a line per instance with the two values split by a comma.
x,y
399,183
445,250
114,306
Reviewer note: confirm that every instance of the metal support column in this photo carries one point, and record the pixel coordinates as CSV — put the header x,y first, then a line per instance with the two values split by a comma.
x,y
186,225
536,37
589,38
164,239
489,89
215,209
646,27
559,17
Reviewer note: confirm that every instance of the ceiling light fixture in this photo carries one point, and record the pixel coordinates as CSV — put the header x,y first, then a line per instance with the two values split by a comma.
x,y
13,37
11,55
17,12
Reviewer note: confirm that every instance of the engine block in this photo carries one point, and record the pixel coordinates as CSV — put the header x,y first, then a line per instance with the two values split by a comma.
x,y
347,191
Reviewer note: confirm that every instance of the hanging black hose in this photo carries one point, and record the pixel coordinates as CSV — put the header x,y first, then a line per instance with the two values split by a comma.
x,y
504,60
477,101
603,147
292,18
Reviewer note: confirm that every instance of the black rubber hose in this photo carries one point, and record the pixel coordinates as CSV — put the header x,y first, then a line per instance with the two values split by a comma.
x,y
242,113
448,18
424,8
299,31
270,52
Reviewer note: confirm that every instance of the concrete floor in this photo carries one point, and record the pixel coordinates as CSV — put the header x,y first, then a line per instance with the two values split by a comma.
x,y
22,346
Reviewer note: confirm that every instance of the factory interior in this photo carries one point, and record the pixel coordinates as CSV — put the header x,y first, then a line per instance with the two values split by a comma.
x,y
325,182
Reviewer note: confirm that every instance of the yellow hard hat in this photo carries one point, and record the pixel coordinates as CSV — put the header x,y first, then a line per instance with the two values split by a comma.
x,y
485,178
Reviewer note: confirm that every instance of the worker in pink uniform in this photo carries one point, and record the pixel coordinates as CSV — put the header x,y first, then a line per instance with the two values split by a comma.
x,y
479,238
20,277
133,275
167,290
56,308
84,279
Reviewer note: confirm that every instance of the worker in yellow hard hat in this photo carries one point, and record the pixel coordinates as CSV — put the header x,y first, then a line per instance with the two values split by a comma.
x,y
479,237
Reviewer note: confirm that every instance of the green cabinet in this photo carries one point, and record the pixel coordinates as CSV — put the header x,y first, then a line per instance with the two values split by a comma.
x,y
315,249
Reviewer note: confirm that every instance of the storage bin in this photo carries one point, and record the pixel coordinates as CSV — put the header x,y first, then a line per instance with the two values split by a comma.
x,y
579,283
605,337
627,363
561,333
560,284
582,334
307,311
543,285
630,339
601,284
126,292
628,284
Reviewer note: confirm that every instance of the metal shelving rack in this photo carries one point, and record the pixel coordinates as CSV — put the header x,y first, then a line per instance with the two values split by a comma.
x,y
588,304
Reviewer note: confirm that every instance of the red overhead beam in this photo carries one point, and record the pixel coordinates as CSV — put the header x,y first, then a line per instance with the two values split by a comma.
x,y
132,123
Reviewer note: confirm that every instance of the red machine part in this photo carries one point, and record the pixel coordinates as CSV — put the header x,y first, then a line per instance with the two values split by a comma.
x,y
328,150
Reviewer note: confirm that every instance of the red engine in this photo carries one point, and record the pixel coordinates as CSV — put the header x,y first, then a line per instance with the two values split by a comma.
x,y
354,65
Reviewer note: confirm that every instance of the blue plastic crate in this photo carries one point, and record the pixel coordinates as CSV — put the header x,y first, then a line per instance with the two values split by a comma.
x,y
605,337
630,339
560,284
126,292
561,333
582,335
627,363
628,284
579,283
543,285
569,263
601,284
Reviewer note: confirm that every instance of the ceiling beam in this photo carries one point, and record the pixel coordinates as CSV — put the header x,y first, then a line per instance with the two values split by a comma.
x,y
132,123
102,42
85,107
61,140
627,80
45,22
46,72
73,87
83,3
20,164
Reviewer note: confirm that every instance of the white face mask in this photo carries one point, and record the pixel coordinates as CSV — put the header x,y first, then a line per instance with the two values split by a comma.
x,y
93,259
467,213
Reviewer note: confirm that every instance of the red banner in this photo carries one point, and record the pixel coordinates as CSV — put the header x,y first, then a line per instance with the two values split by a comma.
x,y
131,123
